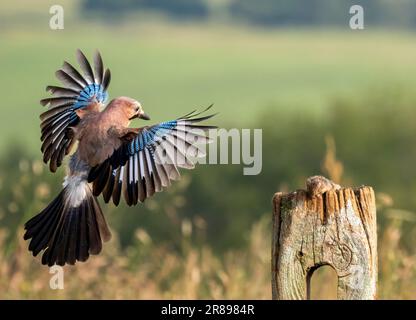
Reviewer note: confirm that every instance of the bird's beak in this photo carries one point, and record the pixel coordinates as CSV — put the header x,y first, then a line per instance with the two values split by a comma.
x,y
143,116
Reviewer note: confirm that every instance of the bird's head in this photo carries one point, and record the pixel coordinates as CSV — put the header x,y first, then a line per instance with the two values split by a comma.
x,y
138,112
132,108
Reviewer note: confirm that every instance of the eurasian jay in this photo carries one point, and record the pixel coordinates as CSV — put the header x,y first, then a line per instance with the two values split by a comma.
x,y
111,159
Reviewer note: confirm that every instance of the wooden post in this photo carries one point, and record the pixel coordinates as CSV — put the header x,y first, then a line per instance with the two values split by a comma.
x,y
335,228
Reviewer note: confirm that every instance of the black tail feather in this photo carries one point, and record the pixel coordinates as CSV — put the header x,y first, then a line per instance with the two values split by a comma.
x,y
67,234
40,239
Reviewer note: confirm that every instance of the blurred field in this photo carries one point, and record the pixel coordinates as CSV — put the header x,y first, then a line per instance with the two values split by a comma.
x,y
211,231
172,68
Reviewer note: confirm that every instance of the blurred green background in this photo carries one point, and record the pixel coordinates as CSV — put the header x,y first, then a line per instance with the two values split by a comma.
x,y
330,100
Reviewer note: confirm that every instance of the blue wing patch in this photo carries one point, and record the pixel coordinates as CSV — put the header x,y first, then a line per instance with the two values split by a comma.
x,y
90,92
149,135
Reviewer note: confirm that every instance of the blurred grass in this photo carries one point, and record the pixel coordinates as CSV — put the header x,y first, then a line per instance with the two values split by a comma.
x,y
188,272
195,273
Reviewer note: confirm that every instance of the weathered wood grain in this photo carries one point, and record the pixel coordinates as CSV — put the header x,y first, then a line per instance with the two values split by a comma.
x,y
336,228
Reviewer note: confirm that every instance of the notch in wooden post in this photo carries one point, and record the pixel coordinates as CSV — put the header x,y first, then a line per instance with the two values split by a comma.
x,y
324,225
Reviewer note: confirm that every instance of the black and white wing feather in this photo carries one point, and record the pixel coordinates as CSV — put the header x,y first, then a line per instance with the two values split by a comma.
x,y
149,161
78,91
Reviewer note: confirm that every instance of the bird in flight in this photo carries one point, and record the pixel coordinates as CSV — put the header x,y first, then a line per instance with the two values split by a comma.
x,y
111,159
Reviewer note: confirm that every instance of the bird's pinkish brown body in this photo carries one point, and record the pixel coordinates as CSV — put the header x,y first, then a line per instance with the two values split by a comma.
x,y
99,132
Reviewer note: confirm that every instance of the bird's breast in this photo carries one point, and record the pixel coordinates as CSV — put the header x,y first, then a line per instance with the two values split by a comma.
x,y
96,143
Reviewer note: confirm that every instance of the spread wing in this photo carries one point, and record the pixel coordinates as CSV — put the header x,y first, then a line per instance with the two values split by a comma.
x,y
149,159
78,92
